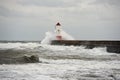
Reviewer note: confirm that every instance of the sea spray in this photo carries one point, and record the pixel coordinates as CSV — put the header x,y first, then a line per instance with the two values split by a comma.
x,y
52,36
58,34
66,36
48,37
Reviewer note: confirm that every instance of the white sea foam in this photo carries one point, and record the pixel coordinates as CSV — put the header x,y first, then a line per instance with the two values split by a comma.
x,y
61,70
70,50
76,50
18,45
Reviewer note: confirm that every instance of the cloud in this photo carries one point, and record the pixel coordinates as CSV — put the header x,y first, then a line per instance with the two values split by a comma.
x,y
69,9
84,16
108,2
48,3
35,8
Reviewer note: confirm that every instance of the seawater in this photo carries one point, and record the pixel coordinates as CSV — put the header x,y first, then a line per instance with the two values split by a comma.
x,y
61,63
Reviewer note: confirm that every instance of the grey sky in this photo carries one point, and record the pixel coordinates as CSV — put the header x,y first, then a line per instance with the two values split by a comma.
x,y
83,19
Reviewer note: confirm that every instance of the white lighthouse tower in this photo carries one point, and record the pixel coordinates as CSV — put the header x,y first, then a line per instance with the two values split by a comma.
x,y
58,31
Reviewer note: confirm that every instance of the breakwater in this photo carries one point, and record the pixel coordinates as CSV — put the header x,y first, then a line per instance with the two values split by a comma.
x,y
112,46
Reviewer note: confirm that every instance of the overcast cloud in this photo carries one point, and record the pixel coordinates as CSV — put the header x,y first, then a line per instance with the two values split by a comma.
x,y
83,19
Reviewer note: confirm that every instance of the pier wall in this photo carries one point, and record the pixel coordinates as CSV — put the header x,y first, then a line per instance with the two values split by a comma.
x,y
112,46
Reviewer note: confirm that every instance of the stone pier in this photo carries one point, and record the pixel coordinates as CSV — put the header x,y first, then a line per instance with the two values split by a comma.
x,y
112,46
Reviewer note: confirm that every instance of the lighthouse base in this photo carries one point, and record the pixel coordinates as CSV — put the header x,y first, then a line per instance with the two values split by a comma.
x,y
59,37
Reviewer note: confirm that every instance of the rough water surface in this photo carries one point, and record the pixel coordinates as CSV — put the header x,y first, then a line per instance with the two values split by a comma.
x,y
57,62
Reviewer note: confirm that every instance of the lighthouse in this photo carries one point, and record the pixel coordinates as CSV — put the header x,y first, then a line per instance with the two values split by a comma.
x,y
58,31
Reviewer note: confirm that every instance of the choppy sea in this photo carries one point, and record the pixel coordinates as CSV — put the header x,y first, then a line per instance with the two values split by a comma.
x,y
60,63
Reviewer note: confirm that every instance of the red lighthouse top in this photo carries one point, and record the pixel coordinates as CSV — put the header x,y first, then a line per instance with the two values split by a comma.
x,y
58,24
